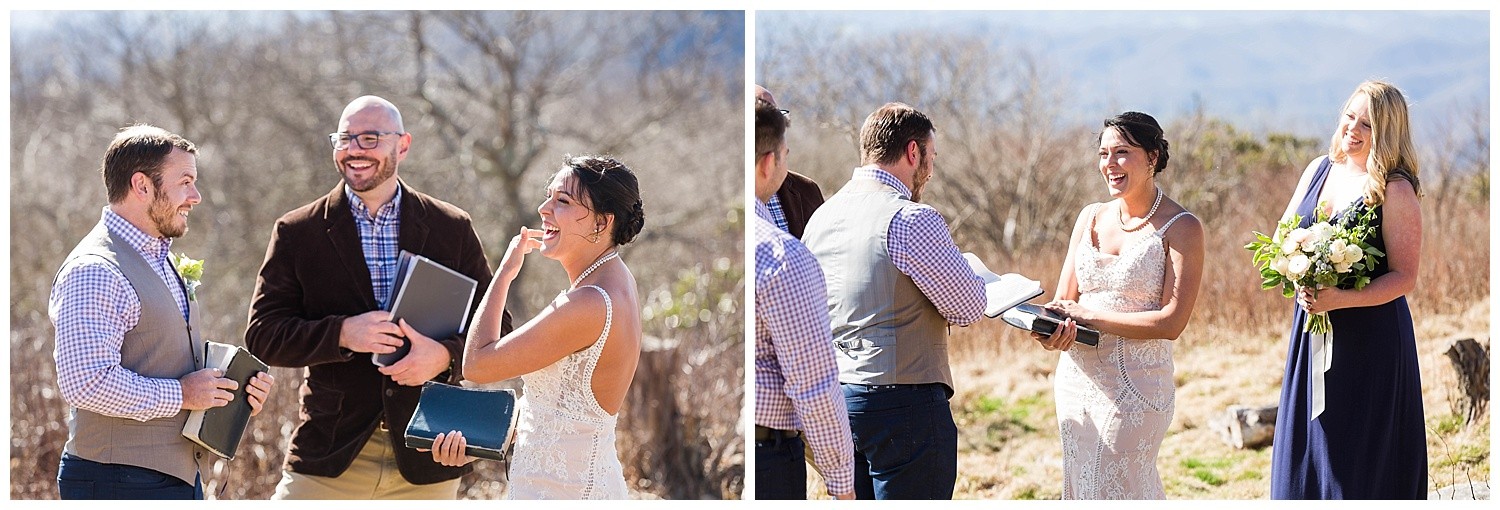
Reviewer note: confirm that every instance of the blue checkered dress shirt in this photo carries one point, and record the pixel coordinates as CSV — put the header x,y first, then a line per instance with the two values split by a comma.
x,y
796,377
92,306
921,248
378,238
778,216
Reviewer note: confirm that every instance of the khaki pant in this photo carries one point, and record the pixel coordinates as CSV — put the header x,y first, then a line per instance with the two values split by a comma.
x,y
373,475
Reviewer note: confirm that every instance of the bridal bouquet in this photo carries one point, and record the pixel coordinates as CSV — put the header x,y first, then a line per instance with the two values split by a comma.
x,y
1325,254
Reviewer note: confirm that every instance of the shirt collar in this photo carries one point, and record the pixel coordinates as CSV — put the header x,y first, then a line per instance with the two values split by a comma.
x,y
762,210
874,172
145,244
357,205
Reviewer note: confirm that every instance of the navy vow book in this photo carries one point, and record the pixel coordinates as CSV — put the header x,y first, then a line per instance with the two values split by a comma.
x,y
487,418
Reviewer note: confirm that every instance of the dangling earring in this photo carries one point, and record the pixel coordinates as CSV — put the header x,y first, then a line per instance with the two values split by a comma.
x,y
594,237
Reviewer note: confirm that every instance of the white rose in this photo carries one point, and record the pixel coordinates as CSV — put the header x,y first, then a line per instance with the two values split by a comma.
x,y
1288,246
1297,265
1280,265
1297,239
1336,253
1353,254
1342,268
1324,231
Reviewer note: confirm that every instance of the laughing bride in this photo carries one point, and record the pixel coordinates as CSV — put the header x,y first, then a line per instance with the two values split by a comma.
x,y
578,355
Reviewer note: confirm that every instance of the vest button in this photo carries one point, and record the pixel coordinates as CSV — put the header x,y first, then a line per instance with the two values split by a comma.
x,y
390,392
197,455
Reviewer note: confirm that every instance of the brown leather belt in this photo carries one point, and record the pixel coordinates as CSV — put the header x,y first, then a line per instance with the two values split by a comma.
x,y
767,433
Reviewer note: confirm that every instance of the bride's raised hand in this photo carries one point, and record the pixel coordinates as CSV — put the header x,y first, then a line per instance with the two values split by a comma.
x,y
515,255
448,449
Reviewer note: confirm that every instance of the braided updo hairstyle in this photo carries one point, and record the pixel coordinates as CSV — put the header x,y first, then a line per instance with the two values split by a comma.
x,y
1142,131
611,188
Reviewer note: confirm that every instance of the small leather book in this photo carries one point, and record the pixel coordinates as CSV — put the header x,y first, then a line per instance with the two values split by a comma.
x,y
219,429
486,417
1043,321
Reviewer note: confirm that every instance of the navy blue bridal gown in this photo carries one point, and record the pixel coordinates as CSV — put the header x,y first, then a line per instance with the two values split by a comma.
x,y
1370,441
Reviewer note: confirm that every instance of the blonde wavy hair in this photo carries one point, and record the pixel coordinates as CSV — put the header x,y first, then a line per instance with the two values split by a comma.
x,y
1392,156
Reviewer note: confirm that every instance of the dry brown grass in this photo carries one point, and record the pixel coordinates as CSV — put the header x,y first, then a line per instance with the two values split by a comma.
x,y
1008,440
1234,350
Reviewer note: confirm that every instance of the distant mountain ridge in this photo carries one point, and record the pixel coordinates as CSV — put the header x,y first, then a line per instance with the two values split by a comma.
x,y
1266,70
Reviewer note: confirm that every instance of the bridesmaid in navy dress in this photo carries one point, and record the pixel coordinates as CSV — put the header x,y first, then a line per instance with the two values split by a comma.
x,y
1369,441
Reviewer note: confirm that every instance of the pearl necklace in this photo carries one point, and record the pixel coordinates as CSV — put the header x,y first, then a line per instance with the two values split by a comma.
x,y
596,265
1144,220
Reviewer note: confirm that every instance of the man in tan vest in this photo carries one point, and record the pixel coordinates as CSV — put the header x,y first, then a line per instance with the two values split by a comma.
x,y
896,281
129,356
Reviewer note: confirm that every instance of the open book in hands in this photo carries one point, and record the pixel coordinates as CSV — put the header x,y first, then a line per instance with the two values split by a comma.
x,y
1002,292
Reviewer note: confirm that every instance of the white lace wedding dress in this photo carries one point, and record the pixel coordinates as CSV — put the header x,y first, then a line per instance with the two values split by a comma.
x,y
1115,401
565,443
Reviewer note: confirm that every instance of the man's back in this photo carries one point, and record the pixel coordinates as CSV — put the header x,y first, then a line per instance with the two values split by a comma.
x,y
886,328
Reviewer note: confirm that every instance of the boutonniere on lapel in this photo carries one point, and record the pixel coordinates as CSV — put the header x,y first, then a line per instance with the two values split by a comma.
x,y
191,271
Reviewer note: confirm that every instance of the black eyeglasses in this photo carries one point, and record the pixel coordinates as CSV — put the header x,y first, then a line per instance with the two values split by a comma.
x,y
366,140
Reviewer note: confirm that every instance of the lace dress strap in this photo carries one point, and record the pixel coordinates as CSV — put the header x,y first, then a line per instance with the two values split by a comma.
x,y
1093,212
609,317
1163,230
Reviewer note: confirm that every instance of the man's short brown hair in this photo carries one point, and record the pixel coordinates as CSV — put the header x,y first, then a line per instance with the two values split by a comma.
x,y
770,128
138,149
888,130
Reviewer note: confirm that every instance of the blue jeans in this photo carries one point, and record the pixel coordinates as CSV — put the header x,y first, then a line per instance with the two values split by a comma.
x,y
780,471
85,479
905,441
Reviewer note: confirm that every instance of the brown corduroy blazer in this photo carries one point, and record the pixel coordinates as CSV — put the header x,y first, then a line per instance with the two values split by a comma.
x,y
799,197
314,276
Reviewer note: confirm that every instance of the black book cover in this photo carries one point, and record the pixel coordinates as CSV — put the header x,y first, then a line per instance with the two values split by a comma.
x,y
434,299
1041,320
220,429
487,418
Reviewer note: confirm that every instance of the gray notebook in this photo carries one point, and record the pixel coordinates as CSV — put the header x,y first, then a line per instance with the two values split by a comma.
x,y
434,299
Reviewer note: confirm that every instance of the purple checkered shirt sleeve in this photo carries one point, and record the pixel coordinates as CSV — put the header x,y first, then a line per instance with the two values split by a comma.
x,y
92,306
922,249
796,377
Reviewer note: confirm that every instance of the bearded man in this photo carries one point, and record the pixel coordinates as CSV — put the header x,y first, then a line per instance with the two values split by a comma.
x,y
896,282
129,357
319,303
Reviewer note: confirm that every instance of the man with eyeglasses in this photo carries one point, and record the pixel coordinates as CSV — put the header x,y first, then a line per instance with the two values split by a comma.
x,y
319,303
